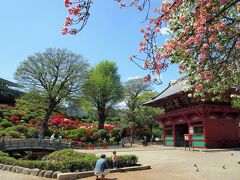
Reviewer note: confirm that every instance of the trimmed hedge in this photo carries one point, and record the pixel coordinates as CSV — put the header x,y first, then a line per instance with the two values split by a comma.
x,y
124,161
67,160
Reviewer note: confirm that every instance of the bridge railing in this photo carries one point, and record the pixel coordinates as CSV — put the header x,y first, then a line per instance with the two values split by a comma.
x,y
32,144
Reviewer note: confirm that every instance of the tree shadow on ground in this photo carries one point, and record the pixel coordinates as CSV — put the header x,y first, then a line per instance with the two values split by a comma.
x,y
110,178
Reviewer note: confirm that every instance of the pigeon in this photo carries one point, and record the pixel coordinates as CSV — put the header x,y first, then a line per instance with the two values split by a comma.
x,y
224,167
196,167
232,154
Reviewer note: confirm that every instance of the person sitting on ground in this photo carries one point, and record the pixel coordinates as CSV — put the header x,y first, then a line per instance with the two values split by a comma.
x,y
101,167
114,159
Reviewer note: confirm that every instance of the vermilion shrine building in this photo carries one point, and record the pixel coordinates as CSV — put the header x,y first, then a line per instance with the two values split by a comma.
x,y
213,124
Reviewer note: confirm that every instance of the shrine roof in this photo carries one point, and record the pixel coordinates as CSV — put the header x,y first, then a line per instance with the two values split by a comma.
x,y
173,88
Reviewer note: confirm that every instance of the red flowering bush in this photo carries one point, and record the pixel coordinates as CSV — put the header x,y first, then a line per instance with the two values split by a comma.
x,y
14,119
61,120
36,123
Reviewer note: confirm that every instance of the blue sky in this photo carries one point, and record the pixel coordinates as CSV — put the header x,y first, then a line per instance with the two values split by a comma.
x,y
112,33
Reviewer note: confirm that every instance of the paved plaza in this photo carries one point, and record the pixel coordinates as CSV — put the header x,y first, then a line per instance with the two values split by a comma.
x,y
168,163
176,164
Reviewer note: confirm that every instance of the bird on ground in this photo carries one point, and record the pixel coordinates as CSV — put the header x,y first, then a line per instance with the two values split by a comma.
x,y
224,167
196,167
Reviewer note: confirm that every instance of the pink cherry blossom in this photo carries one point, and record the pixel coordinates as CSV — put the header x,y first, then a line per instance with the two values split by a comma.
x,y
142,30
182,19
68,21
198,87
201,75
213,38
230,68
182,67
64,30
208,75
148,28
67,3
122,5
219,47
199,69
205,46
188,52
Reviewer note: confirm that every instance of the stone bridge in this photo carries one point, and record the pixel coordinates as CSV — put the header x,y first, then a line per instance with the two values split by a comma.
x,y
33,145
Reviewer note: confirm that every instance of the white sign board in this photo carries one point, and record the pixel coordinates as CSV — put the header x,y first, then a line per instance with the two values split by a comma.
x,y
190,130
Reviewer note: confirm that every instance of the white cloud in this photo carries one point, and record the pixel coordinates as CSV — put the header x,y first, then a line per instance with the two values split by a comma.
x,y
164,30
131,78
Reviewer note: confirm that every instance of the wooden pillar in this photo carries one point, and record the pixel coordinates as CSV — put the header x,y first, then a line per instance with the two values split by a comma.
x,y
164,134
174,134
203,117
164,138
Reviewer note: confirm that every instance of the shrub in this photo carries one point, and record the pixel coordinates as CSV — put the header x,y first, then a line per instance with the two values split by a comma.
x,y
15,113
13,134
2,133
115,132
95,135
6,113
21,128
76,133
23,137
32,133
6,130
103,133
7,160
25,119
3,154
124,160
29,116
157,132
6,124
112,139
68,154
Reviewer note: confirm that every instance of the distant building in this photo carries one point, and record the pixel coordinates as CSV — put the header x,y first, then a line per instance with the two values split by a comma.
x,y
212,124
8,92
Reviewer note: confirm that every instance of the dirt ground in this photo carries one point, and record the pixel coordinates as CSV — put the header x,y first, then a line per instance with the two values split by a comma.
x,y
167,164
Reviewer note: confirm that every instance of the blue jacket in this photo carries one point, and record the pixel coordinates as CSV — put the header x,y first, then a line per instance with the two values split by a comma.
x,y
101,165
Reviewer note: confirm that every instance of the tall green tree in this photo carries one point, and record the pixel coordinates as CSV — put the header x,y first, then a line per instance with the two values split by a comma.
x,y
132,91
56,73
103,89
146,114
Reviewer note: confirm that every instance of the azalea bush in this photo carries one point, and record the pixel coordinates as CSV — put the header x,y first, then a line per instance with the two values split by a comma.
x,y
6,124
29,124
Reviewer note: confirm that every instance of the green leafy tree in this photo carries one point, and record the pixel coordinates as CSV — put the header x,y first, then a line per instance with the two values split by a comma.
x,y
55,73
132,90
103,89
146,114
236,101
